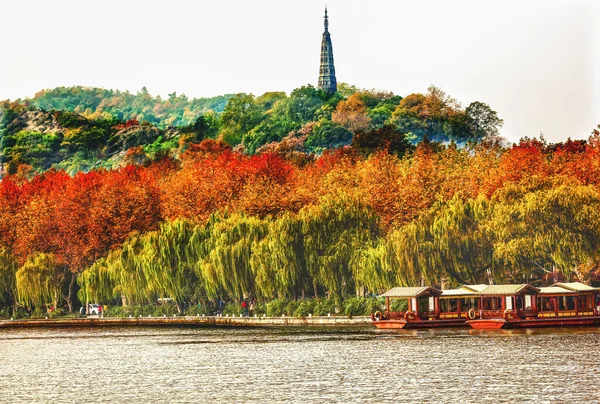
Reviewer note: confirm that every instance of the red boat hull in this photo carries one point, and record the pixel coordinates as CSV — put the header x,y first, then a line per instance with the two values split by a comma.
x,y
487,324
496,323
403,324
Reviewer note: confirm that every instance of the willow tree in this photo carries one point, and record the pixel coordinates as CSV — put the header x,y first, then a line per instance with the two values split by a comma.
x,y
334,230
226,267
278,260
163,261
98,282
450,242
550,229
145,268
40,280
370,269
8,283
462,247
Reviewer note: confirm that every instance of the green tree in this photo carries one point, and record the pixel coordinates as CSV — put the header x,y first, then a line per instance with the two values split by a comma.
x,y
241,114
8,283
328,135
39,281
550,229
387,138
483,120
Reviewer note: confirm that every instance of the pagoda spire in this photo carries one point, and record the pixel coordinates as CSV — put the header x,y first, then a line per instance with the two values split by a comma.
x,y
327,81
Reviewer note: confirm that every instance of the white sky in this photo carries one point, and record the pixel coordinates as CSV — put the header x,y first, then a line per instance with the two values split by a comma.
x,y
536,62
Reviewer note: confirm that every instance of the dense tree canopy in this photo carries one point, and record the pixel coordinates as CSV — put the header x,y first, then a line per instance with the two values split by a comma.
x,y
285,196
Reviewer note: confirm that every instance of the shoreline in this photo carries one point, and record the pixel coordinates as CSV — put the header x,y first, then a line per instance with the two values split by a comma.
x,y
199,321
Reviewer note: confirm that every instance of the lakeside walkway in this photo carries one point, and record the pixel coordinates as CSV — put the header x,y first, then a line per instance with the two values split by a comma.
x,y
94,321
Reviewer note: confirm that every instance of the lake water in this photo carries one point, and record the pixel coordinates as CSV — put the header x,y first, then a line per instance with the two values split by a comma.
x,y
217,365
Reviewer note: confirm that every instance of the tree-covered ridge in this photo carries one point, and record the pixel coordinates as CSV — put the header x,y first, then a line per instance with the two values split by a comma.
x,y
78,129
176,110
33,140
217,222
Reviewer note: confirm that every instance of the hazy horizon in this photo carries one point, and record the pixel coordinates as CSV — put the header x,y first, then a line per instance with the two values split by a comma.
x,y
536,63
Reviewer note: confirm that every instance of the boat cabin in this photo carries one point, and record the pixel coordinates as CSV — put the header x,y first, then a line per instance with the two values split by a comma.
x,y
498,300
422,302
567,300
460,302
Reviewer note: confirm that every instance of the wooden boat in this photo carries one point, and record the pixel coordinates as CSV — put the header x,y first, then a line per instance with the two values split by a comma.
x,y
525,306
426,307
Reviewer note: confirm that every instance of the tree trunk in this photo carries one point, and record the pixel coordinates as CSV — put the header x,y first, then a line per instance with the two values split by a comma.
x,y
55,303
70,296
179,311
14,307
316,291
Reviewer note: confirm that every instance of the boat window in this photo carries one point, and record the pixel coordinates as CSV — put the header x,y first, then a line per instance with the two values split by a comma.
x,y
431,303
468,304
399,305
492,303
519,303
566,303
545,304
528,301
423,302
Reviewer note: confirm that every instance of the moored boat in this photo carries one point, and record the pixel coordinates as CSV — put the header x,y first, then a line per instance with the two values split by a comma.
x,y
490,307
425,307
525,306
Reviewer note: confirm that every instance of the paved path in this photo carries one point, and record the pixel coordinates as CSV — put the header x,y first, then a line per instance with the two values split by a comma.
x,y
190,321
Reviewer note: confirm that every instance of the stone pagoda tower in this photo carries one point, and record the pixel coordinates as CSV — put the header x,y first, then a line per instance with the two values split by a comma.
x,y
327,80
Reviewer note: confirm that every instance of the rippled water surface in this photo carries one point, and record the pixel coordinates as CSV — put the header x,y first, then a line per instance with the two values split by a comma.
x,y
206,365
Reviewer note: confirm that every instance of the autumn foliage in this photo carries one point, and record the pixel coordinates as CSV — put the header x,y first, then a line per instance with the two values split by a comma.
x,y
418,201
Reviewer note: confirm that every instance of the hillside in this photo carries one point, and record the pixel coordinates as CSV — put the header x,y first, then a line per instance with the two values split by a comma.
x,y
177,110
78,128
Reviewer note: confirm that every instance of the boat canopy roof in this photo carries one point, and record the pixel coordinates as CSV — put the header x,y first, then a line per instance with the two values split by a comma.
x,y
490,290
500,290
459,292
576,286
409,292
556,290
475,288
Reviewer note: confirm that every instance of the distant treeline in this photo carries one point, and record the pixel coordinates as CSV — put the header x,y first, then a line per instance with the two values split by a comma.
x,y
176,110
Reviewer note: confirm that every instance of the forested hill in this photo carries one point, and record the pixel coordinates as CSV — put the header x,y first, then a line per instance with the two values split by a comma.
x,y
176,110
78,129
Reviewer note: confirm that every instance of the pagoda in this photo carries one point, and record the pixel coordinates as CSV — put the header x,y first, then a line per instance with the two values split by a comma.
x,y
327,81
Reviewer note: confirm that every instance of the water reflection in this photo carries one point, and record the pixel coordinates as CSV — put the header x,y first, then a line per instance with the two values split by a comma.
x,y
298,365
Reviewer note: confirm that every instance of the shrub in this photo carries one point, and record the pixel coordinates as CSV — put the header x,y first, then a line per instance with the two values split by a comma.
x,y
324,307
290,308
260,309
304,308
5,313
276,308
232,308
117,311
